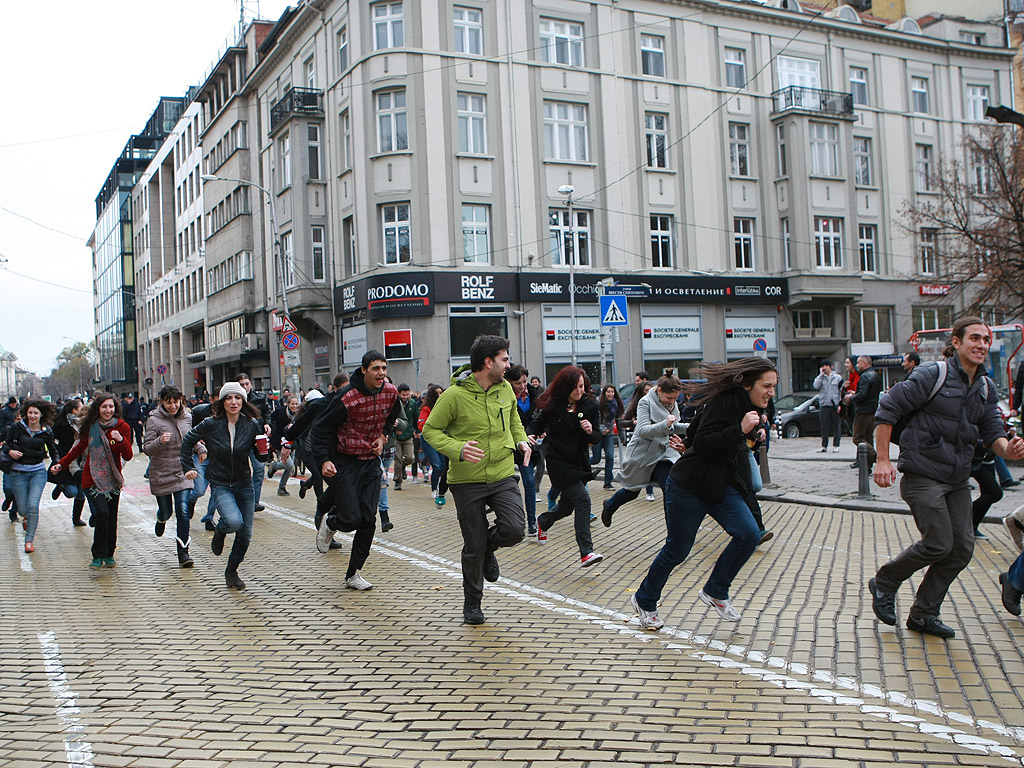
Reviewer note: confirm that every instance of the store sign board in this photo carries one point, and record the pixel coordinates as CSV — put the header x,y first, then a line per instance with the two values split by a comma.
x,y
741,331
353,344
667,336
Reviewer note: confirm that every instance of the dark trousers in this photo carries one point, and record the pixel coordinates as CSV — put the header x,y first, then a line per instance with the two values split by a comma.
x,y
828,418
942,512
354,493
574,498
864,432
104,517
478,536
136,426
175,504
991,492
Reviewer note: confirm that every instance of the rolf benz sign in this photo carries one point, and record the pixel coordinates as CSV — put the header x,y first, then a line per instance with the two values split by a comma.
x,y
411,294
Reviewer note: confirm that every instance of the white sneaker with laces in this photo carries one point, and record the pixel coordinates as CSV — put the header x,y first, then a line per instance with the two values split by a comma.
x,y
356,581
648,619
836,449
724,607
324,536
650,495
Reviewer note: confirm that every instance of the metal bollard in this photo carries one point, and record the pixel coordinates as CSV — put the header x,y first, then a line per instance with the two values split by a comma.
x,y
766,475
863,476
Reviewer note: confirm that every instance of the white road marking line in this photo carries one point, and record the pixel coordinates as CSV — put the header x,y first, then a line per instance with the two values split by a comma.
x,y
19,544
616,621
78,751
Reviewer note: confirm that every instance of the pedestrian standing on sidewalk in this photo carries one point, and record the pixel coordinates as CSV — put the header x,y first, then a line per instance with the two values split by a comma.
x,y
166,428
829,385
29,441
230,435
609,405
864,403
937,446
475,425
648,456
714,478
527,398
405,454
105,442
347,440
849,387
69,480
568,417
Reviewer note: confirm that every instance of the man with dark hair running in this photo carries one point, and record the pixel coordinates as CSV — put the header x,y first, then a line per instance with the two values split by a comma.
x,y
474,423
346,442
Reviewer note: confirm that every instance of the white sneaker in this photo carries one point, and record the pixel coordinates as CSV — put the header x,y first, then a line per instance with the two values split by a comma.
x,y
724,607
650,495
836,449
324,536
356,581
433,493
1010,523
539,498
648,619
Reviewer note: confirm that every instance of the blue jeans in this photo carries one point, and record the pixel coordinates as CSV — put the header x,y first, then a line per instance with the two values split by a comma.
x,y
28,489
607,445
177,504
659,474
199,486
529,477
1002,470
286,468
258,472
385,469
237,508
438,463
684,512
1016,573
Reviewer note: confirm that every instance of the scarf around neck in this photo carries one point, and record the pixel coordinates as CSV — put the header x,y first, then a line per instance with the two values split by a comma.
x,y
106,474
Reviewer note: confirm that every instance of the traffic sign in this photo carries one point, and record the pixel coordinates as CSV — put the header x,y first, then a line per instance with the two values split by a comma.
x,y
281,323
760,345
613,310
161,369
289,341
635,291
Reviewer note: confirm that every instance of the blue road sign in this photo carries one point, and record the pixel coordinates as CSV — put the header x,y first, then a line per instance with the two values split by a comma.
x,y
613,310
760,345
289,341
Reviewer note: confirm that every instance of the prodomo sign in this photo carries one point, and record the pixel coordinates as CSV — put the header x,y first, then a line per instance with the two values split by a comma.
x,y
406,295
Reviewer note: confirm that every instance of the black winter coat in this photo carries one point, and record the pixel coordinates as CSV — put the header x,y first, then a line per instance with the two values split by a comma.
x,y
66,436
33,447
227,465
8,416
567,446
869,387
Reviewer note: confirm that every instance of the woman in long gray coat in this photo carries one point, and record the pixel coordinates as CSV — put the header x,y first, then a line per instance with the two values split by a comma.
x,y
166,427
648,457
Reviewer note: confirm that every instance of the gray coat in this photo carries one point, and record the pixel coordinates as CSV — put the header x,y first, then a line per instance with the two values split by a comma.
x,y
649,443
165,473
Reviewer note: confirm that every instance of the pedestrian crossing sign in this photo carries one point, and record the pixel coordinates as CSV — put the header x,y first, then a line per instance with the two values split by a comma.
x,y
613,310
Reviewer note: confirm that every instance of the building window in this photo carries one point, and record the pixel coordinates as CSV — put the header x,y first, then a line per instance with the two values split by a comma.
x,y
972,38
316,237
780,149
787,255
561,42
919,94
866,239
739,149
652,55
565,131
977,102
315,171
288,259
656,126
661,241
870,325
923,167
859,85
927,252
392,132
245,265
862,161
563,247
309,68
346,141
932,318
824,149
397,233
828,242
388,31
342,50
348,245
735,67
469,31
743,242
476,234
284,160
980,172
472,126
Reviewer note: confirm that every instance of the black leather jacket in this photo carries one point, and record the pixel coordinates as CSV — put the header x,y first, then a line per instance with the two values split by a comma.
x,y
33,447
227,465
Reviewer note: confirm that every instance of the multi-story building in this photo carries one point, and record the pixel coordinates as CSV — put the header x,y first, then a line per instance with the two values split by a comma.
x,y
111,243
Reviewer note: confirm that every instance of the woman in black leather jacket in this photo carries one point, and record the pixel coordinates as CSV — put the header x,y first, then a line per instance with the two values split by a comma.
x,y
230,435
29,440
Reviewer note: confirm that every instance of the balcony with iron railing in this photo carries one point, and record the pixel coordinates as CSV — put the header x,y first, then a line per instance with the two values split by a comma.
x,y
814,100
297,101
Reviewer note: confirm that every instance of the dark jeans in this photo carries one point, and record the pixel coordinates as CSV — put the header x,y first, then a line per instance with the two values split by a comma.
x,y
104,517
622,496
199,486
438,467
607,445
136,426
237,508
573,498
1016,573
942,512
175,504
527,473
991,492
471,503
864,432
354,493
828,418
684,512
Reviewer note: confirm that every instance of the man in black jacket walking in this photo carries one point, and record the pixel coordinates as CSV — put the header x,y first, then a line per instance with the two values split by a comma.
x,y
865,403
131,412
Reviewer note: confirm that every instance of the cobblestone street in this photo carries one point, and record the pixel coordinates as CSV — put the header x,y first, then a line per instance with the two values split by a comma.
x,y
150,665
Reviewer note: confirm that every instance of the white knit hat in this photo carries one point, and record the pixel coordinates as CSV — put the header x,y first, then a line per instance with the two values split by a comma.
x,y
232,388
313,394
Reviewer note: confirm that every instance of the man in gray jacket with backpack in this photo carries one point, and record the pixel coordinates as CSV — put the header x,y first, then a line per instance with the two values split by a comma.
x,y
940,412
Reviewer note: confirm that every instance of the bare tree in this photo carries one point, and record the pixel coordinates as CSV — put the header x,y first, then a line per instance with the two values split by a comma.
x,y
977,216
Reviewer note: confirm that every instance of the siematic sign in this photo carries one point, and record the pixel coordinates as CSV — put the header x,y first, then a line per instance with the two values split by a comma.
x,y
410,294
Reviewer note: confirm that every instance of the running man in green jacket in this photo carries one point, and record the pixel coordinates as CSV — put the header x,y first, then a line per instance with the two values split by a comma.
x,y
475,425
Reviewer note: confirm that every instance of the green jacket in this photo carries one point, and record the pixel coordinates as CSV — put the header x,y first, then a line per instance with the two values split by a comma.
x,y
409,414
466,412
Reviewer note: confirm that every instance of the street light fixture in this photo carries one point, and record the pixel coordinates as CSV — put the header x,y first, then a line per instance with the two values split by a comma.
x,y
568,190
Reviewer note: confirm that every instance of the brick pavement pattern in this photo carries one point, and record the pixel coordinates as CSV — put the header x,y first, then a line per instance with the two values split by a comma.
x,y
150,665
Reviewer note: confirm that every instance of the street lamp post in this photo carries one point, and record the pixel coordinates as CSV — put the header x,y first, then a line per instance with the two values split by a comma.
x,y
567,190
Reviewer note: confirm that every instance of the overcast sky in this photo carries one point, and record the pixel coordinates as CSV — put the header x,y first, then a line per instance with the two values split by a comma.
x,y
80,79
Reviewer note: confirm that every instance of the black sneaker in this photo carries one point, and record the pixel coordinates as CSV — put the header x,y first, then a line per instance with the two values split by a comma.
x,y
1011,483
472,614
7,503
931,626
336,545
491,571
259,507
217,544
209,526
883,604
302,489
1011,595
606,514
